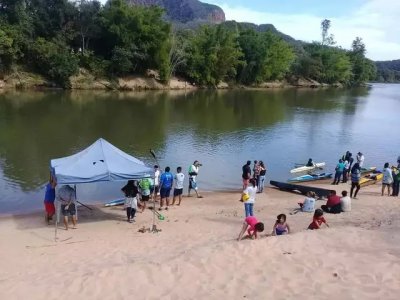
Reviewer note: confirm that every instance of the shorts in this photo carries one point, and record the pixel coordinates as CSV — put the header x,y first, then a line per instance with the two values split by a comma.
x,y
192,184
71,211
386,184
145,198
164,192
178,192
156,189
50,208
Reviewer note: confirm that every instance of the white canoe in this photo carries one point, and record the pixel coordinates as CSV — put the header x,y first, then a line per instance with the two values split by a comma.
x,y
115,202
305,168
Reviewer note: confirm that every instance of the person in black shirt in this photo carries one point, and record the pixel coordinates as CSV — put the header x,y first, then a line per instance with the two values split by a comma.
x,y
246,174
130,190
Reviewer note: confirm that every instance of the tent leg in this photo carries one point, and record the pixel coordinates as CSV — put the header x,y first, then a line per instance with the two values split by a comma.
x,y
57,220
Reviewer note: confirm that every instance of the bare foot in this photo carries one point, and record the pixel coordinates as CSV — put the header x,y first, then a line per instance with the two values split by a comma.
x,y
74,227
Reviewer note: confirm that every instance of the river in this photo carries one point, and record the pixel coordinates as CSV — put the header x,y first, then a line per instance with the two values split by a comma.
x,y
222,129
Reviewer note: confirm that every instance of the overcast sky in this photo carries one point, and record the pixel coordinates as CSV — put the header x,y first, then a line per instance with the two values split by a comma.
x,y
377,22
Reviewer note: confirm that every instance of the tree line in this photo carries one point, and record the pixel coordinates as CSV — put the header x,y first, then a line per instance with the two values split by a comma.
x,y
57,37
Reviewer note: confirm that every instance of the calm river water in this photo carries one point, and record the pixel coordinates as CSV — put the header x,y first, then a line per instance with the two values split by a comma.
x,y
221,129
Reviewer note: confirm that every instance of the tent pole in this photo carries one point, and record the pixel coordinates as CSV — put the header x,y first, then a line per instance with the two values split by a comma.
x,y
56,223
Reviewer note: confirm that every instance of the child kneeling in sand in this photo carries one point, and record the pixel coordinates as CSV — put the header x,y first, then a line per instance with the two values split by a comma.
x,y
318,219
253,226
281,227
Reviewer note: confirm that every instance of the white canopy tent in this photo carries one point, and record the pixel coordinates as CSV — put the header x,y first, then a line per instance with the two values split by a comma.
x,y
101,161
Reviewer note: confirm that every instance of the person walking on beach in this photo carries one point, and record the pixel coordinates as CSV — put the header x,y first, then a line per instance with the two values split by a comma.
x,y
193,172
49,198
246,174
387,179
355,180
66,195
346,171
360,159
144,185
338,172
166,182
179,178
130,191
261,181
250,194
252,226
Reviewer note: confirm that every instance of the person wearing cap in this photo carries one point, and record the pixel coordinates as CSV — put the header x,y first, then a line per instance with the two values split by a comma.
x,y
193,172
360,159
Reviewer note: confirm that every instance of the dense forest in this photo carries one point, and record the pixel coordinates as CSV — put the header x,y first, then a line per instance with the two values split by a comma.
x,y
56,38
388,71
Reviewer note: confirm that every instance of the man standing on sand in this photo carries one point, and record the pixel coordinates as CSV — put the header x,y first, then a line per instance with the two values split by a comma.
x,y
156,182
166,182
246,174
193,172
49,198
66,195
178,190
360,159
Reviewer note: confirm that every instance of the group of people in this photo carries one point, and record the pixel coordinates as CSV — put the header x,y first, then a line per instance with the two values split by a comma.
x,y
138,193
67,197
258,174
345,166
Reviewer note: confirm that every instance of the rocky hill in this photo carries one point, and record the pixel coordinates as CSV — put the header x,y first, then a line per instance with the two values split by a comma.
x,y
184,11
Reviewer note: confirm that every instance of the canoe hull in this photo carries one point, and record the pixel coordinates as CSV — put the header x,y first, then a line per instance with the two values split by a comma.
x,y
305,168
115,202
300,188
311,177
370,179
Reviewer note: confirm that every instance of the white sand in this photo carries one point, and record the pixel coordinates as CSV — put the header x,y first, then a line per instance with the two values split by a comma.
x,y
196,255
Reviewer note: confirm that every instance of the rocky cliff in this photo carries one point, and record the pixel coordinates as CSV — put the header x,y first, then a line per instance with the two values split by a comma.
x,y
186,10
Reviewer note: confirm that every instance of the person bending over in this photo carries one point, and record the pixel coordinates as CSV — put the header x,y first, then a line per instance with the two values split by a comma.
x,y
252,226
318,219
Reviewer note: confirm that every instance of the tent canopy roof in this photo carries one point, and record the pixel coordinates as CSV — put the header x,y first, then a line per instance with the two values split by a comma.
x,y
101,161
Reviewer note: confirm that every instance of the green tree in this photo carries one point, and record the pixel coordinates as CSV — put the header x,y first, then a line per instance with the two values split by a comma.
x,y
213,55
53,59
362,68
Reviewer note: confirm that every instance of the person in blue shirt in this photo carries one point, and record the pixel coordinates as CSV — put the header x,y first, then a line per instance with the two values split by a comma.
x,y
49,197
166,182
339,171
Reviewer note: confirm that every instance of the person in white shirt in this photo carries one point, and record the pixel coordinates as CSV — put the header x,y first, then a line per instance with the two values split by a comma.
x,y
345,202
157,174
308,205
193,172
179,178
250,194
360,159
387,179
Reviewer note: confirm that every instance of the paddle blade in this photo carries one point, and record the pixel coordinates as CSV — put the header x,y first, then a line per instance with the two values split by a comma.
x,y
152,153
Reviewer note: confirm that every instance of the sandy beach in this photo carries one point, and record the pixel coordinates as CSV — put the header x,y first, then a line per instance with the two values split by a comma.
x,y
196,255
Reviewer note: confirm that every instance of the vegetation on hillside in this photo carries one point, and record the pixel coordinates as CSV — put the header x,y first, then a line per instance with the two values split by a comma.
x,y
55,38
388,71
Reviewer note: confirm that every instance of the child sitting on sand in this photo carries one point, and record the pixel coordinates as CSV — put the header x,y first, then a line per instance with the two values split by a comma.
x,y
281,227
318,219
253,226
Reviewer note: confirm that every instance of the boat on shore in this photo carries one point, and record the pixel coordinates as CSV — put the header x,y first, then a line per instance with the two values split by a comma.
x,y
311,177
115,202
371,178
284,186
305,168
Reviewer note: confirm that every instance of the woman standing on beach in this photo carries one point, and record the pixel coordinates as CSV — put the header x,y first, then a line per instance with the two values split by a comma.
x,y
250,194
260,183
387,179
355,179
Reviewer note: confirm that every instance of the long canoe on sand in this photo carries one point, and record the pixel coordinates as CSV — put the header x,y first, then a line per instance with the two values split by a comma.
x,y
305,168
371,178
311,177
300,188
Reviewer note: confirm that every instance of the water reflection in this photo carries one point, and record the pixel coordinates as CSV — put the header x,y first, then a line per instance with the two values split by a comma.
x,y
223,128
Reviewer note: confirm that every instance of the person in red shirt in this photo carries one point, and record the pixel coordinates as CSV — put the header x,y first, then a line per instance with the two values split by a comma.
x,y
252,226
318,219
333,204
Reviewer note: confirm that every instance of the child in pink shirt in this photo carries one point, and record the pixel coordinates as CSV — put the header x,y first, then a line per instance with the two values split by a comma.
x,y
252,226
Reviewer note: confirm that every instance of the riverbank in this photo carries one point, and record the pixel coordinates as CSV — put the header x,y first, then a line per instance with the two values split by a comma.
x,y
87,81
196,255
